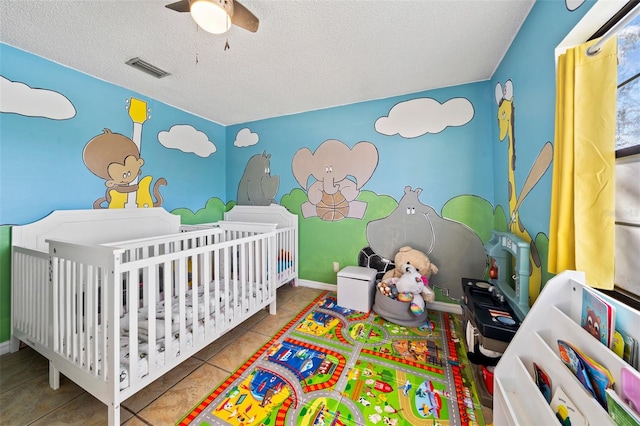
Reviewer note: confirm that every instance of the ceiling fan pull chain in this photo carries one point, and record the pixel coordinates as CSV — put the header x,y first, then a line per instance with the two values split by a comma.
x,y
197,44
226,45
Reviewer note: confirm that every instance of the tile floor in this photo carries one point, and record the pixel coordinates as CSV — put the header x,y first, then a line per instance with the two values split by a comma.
x,y
27,399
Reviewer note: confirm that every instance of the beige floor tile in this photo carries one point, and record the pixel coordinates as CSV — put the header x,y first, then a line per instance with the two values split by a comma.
x,y
84,410
147,395
180,399
20,367
235,355
34,399
284,293
220,343
134,421
256,318
272,323
301,299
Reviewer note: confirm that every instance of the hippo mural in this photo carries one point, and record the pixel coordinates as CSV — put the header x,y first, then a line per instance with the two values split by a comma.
x,y
451,245
257,187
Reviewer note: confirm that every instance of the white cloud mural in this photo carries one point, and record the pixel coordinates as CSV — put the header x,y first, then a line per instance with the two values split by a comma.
x,y
187,139
573,4
245,137
420,116
18,98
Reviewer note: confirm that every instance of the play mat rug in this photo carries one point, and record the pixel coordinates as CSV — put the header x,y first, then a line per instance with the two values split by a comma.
x,y
336,366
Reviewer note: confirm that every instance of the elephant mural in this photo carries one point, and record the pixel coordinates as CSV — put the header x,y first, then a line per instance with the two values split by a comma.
x,y
257,187
451,245
332,196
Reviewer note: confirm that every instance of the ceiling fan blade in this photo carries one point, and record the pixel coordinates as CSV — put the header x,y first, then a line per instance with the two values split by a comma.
x,y
243,18
179,6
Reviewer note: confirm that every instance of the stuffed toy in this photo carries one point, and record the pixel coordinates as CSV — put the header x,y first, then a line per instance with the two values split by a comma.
x,y
418,259
421,263
410,288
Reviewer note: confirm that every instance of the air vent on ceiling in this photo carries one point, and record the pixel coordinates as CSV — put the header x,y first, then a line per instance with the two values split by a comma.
x,y
147,67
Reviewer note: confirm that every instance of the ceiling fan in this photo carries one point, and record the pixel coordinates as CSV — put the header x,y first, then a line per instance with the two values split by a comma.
x,y
216,16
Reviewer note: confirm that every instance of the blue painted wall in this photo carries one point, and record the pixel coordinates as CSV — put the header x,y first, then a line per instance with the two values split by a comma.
x,y
456,161
41,165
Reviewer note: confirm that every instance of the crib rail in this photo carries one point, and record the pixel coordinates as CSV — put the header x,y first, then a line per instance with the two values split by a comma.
x,y
84,311
159,300
30,295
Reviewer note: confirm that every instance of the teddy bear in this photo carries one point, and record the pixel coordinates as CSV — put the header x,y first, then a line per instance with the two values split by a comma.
x,y
422,264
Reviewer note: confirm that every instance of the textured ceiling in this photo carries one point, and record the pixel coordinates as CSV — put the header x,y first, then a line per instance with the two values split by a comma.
x,y
306,55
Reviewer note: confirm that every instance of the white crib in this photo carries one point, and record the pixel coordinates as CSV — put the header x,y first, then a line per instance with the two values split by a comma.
x,y
286,235
116,298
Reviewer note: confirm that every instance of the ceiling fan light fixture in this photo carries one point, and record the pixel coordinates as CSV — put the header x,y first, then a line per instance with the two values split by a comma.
x,y
213,16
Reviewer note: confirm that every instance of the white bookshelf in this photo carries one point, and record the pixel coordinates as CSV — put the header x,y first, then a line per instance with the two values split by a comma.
x,y
555,315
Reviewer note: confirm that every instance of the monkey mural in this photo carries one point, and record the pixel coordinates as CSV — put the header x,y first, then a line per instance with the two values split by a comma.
x,y
116,159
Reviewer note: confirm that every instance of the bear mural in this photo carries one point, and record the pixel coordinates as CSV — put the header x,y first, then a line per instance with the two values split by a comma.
x,y
451,245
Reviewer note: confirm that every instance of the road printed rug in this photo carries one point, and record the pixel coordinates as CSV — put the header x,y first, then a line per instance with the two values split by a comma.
x,y
335,366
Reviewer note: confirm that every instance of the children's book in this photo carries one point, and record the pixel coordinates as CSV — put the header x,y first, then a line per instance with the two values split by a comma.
x,y
593,376
619,411
617,345
597,317
566,411
630,388
543,381
630,353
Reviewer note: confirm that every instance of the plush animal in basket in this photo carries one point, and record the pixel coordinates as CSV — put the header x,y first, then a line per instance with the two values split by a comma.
x,y
411,287
421,263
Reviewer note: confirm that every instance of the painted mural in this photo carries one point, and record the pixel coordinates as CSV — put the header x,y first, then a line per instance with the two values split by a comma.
x,y
338,173
506,119
421,116
257,187
45,106
117,159
22,99
453,246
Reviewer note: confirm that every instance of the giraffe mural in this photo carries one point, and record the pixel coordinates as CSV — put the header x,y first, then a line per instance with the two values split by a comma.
x,y
506,118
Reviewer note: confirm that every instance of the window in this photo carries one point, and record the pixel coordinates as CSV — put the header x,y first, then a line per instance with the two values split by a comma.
x,y
627,170
628,113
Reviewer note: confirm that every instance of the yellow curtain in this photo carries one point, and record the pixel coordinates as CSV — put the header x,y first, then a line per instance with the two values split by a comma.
x,y
581,229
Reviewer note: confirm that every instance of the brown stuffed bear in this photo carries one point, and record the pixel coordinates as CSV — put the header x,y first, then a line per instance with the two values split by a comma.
x,y
418,260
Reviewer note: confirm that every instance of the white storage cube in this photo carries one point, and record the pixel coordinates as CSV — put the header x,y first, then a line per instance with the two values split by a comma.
x,y
356,288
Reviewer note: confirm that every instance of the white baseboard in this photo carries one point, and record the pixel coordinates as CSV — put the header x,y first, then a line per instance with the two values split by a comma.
x,y
318,285
5,347
452,308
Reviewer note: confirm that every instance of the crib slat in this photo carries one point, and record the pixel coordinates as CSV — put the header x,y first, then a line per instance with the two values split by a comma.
x,y
168,302
151,342
132,318
206,284
217,296
180,275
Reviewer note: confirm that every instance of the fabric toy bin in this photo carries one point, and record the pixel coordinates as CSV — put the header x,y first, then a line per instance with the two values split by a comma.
x,y
356,287
397,312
